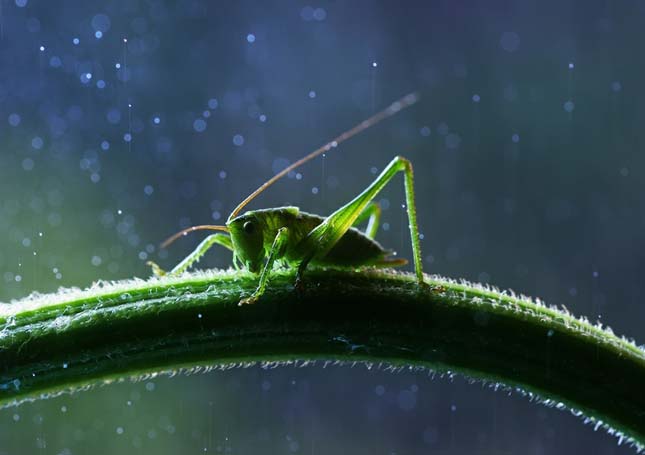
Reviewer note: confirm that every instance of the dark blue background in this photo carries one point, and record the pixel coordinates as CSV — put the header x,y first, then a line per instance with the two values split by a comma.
x,y
528,151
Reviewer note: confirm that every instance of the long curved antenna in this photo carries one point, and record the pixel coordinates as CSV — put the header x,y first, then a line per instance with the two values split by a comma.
x,y
392,109
203,227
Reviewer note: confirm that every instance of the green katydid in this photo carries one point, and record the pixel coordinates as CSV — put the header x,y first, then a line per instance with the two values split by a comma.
x,y
260,238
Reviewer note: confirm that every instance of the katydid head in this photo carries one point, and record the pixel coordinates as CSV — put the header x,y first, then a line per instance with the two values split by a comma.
x,y
246,233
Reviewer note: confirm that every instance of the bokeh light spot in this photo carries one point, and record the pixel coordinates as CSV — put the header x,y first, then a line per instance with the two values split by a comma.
x,y
453,141
14,119
199,125
33,25
307,13
55,62
86,78
101,23
443,128
510,41
407,400
114,116
320,14
37,142
27,164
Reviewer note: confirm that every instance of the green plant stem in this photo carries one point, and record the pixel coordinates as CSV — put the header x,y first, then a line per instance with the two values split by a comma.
x,y
54,343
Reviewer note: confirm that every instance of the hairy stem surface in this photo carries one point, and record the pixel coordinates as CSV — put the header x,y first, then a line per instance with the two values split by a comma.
x,y
60,342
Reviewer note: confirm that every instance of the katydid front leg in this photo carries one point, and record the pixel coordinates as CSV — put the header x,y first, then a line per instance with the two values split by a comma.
x,y
324,236
277,250
193,257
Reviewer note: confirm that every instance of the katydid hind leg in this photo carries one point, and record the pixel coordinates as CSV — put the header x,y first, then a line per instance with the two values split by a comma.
x,y
202,248
323,238
277,250
372,212
300,272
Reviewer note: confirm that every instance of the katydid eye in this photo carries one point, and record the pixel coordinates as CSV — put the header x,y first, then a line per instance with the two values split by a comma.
x,y
248,227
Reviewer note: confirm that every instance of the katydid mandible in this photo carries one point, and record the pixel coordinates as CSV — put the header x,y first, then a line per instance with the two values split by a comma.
x,y
285,235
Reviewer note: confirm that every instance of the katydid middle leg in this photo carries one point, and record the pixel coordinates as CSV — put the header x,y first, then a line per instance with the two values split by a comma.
x,y
323,237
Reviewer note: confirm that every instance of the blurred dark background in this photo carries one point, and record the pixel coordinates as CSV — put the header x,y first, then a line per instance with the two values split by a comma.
x,y
124,121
